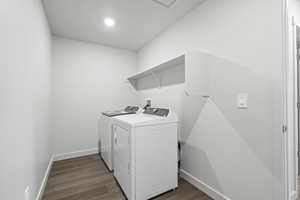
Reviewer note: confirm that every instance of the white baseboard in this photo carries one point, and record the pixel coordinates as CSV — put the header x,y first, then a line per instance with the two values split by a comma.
x,y
213,193
45,179
294,195
61,157
75,154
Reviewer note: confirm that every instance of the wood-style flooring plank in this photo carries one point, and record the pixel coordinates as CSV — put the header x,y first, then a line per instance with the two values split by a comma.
x,y
87,178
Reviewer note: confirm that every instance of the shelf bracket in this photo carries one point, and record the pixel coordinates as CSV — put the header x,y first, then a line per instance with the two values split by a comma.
x,y
187,93
156,78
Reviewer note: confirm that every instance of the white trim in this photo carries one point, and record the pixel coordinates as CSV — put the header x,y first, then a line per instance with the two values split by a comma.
x,y
45,179
292,112
294,141
61,157
285,139
75,154
293,195
210,191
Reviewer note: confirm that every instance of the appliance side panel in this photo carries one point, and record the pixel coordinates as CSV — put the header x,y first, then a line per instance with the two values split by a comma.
x,y
106,140
133,162
156,160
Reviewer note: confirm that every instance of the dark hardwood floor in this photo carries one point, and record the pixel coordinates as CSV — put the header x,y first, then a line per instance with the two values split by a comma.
x,y
87,178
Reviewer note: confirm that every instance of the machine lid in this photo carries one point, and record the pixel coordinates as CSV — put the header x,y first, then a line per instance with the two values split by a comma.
x,y
117,113
127,111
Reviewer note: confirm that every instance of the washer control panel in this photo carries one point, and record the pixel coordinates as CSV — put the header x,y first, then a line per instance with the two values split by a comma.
x,y
157,111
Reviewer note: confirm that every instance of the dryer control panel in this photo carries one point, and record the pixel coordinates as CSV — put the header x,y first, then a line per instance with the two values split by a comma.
x,y
131,108
157,111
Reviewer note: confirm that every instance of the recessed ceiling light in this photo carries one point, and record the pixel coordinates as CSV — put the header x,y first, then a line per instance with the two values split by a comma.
x,y
110,22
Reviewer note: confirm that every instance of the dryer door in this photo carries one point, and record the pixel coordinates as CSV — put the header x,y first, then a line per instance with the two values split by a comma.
x,y
122,159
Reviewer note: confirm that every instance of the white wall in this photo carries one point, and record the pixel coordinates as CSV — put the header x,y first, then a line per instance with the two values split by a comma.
x,y
233,151
87,80
294,8
24,97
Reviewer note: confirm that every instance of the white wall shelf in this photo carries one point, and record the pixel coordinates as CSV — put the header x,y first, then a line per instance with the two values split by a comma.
x,y
195,69
155,71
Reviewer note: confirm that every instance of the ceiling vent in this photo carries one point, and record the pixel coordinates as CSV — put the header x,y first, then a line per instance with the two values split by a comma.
x,y
165,3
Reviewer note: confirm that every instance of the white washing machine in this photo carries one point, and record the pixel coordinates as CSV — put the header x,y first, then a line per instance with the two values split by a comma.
x,y
106,135
145,153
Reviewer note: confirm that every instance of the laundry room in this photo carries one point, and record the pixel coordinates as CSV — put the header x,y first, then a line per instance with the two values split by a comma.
x,y
148,99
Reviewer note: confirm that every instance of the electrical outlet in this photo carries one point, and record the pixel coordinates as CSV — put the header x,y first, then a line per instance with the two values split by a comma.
x,y
27,193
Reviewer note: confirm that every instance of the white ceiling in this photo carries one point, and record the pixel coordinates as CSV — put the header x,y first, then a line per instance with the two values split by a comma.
x,y
137,21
